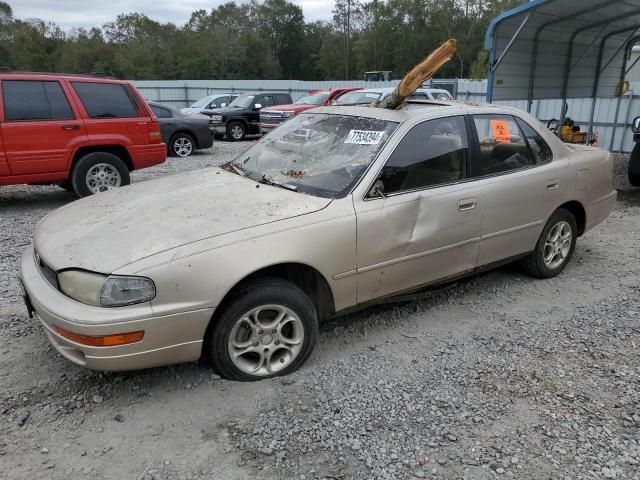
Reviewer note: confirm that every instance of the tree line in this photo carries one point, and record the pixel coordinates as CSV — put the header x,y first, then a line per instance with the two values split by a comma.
x,y
259,40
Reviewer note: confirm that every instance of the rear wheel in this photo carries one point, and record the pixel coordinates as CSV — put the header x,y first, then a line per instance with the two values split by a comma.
x,y
236,131
634,166
181,145
555,246
268,329
99,172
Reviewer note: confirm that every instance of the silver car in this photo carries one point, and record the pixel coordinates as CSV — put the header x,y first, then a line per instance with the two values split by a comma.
x,y
337,208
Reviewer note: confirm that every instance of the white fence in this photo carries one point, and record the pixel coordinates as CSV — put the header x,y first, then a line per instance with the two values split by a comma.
x,y
612,119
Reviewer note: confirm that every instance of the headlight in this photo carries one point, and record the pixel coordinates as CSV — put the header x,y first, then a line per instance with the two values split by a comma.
x,y
105,291
216,118
287,114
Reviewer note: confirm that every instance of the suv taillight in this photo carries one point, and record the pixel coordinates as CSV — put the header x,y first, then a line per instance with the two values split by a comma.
x,y
154,132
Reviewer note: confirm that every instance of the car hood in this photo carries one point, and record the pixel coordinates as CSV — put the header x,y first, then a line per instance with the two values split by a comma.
x,y
223,111
108,231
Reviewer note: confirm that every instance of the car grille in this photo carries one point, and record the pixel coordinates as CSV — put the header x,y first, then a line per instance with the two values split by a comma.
x,y
272,118
48,272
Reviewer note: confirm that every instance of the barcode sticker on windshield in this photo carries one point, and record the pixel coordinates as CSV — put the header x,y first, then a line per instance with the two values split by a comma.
x,y
364,137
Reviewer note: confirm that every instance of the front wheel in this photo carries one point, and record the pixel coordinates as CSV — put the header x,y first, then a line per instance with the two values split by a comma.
x,y
555,246
236,131
268,329
98,172
634,166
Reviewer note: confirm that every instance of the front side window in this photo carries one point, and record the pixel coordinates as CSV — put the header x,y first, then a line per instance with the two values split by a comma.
x,y
503,147
219,102
106,100
267,101
35,100
434,152
320,154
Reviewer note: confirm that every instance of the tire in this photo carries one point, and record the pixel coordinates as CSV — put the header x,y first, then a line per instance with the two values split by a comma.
x,y
181,145
267,350
563,223
236,131
634,166
98,172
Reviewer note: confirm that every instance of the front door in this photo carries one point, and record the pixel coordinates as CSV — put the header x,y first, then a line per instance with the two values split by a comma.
x,y
40,129
421,220
521,187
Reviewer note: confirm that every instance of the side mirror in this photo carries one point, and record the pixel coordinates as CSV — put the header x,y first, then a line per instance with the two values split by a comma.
x,y
222,105
636,125
257,106
377,190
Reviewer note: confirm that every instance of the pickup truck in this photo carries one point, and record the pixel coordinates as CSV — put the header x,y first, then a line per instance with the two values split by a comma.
x,y
271,117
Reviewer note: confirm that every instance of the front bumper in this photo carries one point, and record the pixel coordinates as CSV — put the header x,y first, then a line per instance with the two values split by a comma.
x,y
218,129
167,339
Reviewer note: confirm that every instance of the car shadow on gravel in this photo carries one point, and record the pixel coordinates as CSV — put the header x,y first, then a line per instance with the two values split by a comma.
x,y
630,197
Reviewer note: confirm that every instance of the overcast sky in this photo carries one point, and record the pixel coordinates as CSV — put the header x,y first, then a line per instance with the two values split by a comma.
x,y
89,13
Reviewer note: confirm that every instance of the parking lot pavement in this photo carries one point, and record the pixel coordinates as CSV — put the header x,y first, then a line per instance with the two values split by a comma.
x,y
497,375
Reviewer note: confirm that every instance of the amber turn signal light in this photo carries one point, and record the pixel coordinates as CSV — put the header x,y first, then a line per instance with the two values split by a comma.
x,y
102,340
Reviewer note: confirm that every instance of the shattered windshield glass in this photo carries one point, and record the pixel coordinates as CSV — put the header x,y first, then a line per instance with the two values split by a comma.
x,y
316,153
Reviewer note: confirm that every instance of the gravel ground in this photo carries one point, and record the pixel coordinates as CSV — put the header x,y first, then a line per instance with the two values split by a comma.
x,y
496,375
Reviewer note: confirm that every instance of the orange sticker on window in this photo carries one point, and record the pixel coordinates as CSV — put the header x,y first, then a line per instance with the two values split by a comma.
x,y
501,131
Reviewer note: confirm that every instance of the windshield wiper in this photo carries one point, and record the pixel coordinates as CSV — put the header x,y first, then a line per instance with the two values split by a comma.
x,y
269,181
238,170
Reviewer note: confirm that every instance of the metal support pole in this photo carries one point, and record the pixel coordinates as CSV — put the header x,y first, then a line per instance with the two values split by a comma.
x,y
626,121
615,123
510,44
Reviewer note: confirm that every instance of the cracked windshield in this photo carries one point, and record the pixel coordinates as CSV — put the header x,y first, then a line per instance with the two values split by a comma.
x,y
319,154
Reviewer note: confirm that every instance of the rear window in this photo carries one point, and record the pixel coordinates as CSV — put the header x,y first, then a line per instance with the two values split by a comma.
x,y
35,100
106,100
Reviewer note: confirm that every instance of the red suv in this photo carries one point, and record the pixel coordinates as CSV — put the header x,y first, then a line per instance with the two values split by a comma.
x,y
83,133
271,117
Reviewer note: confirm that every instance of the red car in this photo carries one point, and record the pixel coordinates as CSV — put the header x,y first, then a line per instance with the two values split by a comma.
x,y
84,133
271,117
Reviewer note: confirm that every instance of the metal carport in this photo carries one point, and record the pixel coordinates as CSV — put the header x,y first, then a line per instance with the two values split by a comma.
x,y
561,49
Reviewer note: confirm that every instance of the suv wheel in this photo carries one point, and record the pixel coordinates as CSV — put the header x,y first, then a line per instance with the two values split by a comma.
x,y
236,131
268,329
181,145
555,246
98,172
634,166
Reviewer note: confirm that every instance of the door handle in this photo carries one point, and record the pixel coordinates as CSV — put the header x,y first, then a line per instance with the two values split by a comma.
x,y
71,127
467,204
553,186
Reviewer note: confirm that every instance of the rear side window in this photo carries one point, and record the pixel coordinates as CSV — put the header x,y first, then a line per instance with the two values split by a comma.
x,y
161,112
539,148
503,147
35,100
432,153
106,100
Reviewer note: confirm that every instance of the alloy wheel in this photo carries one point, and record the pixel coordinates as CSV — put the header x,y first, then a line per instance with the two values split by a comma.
x,y
102,177
182,146
266,340
557,245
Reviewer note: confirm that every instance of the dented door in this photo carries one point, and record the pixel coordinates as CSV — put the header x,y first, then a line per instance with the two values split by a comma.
x,y
412,239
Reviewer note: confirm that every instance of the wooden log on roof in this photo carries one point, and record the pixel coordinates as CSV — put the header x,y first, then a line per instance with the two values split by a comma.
x,y
418,75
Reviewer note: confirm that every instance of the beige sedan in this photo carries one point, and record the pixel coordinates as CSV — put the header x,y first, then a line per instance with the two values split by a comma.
x,y
337,208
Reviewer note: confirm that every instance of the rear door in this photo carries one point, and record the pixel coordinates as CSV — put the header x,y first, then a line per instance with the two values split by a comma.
x,y
112,113
40,130
520,184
